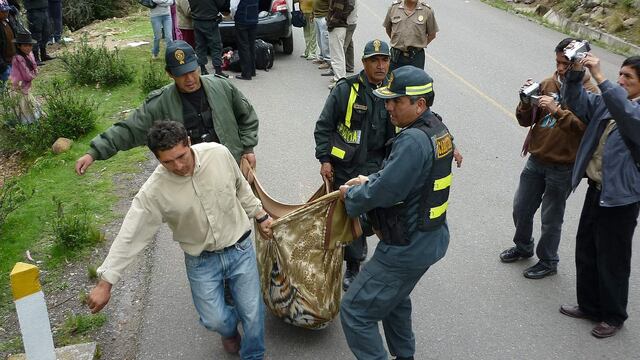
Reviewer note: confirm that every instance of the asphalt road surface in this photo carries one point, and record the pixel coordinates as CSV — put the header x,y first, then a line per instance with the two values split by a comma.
x,y
469,305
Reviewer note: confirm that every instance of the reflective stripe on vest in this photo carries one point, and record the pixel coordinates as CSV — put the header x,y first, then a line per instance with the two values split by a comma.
x,y
352,99
436,212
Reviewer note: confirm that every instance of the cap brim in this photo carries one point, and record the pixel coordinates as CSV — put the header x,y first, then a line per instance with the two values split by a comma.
x,y
385,93
183,69
374,54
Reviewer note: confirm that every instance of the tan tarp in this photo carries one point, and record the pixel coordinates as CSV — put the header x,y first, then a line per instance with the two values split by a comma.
x,y
301,267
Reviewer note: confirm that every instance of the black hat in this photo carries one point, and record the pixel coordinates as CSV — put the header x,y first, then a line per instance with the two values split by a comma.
x,y
406,81
375,47
180,58
24,39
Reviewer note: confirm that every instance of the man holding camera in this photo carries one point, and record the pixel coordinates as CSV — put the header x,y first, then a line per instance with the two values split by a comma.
x,y
411,26
545,181
211,108
609,157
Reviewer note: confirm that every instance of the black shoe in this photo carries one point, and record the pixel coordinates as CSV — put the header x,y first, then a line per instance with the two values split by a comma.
x,y
254,74
240,77
328,73
47,57
39,63
350,71
203,70
220,73
513,254
353,268
539,270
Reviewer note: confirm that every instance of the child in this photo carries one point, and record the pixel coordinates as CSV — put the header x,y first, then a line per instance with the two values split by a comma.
x,y
23,70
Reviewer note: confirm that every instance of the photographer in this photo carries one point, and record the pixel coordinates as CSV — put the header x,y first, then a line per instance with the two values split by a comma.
x,y
546,178
608,157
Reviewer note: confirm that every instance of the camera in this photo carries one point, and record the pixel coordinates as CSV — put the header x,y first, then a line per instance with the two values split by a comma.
x,y
531,94
576,50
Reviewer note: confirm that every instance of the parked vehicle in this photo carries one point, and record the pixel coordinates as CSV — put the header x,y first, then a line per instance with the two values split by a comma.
x,y
274,25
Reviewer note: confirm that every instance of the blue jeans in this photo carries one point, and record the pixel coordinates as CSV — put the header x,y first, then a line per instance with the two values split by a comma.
x,y
549,185
159,24
322,38
237,265
4,76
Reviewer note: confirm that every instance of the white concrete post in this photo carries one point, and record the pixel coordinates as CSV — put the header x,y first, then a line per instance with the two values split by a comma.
x,y
32,312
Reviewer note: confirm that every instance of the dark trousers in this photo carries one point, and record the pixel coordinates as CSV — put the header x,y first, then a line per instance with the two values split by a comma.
x,y
547,185
399,59
245,40
39,28
55,16
603,258
208,42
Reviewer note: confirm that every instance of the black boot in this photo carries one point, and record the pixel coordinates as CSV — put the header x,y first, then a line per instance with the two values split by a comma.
x,y
203,70
36,55
43,54
220,73
353,268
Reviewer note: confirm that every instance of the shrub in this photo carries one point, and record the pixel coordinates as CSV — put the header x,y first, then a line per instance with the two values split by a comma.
x,y
73,231
9,106
12,196
32,140
69,116
80,324
87,65
153,77
79,13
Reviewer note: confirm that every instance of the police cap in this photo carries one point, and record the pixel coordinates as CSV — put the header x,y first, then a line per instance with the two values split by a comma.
x,y
406,81
180,58
375,47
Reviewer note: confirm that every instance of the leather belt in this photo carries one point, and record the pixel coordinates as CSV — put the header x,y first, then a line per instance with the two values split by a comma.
x,y
242,238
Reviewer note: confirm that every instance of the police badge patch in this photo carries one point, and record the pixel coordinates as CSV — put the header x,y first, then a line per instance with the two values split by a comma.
x,y
179,55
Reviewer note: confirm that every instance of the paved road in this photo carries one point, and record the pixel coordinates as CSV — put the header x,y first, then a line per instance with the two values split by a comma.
x,y
468,306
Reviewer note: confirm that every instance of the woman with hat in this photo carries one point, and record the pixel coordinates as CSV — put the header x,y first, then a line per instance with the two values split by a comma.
x,y
23,70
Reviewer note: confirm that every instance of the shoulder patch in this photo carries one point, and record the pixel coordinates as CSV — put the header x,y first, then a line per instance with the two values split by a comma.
x,y
220,76
155,94
396,2
425,4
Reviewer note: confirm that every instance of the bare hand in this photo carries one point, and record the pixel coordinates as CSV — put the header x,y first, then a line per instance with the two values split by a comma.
x,y
457,157
83,163
99,296
548,103
343,191
265,228
526,83
361,179
592,63
326,170
251,158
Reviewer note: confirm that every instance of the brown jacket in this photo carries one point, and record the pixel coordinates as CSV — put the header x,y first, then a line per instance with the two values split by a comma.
x,y
554,137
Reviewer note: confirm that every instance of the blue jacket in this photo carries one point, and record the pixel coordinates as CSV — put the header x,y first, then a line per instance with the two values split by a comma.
x,y
247,13
620,176
404,173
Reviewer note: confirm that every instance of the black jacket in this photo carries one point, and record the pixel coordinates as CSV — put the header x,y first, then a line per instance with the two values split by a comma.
x,y
207,9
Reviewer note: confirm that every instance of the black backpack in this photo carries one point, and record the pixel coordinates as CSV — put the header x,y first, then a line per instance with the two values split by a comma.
x,y
264,55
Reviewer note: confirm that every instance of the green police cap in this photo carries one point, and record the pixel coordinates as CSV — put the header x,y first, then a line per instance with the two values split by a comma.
x,y
180,58
406,81
375,47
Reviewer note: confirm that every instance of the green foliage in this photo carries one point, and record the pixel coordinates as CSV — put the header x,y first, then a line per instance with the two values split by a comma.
x,y
9,107
153,77
68,114
12,196
569,6
75,327
78,13
99,66
92,272
73,230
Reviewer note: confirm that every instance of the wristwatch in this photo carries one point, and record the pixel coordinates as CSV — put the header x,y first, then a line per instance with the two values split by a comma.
x,y
263,218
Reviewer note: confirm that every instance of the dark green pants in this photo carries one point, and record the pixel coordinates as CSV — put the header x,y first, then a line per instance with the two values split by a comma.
x,y
380,293
208,42
400,60
39,28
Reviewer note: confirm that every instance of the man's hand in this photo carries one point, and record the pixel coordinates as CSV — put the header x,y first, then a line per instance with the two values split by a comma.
x,y
83,163
251,158
361,179
343,191
548,103
265,227
457,157
326,170
99,296
592,63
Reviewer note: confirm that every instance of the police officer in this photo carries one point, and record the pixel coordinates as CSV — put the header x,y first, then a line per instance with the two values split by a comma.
x,y
411,26
407,203
211,108
351,132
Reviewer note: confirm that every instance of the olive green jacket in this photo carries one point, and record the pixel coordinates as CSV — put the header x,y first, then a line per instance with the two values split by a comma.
x,y
234,119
